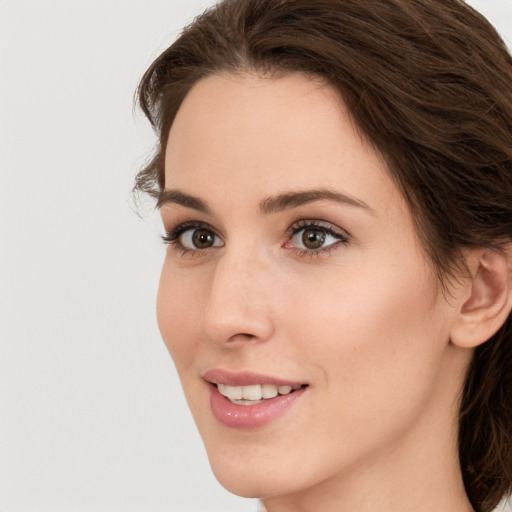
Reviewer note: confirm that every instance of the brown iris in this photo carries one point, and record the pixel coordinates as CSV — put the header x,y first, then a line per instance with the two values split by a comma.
x,y
202,238
313,238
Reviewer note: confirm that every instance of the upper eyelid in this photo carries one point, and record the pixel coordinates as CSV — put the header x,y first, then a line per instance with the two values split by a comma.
x,y
298,224
180,227
319,224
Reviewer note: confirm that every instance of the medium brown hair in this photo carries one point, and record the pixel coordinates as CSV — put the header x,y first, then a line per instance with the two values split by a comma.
x,y
428,84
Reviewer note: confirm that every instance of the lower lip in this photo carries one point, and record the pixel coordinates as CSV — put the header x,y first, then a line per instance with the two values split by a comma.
x,y
250,416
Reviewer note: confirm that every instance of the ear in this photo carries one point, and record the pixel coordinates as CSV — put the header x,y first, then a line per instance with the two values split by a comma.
x,y
486,296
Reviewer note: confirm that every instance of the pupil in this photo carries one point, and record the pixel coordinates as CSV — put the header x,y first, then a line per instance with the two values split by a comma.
x,y
202,239
313,239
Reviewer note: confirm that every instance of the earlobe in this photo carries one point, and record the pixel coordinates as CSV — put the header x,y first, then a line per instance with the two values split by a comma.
x,y
487,300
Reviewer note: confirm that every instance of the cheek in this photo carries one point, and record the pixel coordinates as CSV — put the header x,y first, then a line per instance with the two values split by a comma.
x,y
375,334
177,314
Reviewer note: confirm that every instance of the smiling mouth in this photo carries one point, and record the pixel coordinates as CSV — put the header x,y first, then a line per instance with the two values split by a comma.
x,y
245,400
256,393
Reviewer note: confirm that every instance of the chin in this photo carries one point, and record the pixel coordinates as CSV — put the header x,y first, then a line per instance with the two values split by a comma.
x,y
259,474
254,484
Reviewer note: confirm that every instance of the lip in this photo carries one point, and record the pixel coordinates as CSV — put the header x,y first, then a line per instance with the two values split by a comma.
x,y
245,378
246,417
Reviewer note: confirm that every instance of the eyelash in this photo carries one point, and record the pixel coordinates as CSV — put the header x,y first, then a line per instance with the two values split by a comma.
x,y
342,236
173,237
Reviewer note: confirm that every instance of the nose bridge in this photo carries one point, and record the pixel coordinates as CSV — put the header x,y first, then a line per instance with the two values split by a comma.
x,y
238,305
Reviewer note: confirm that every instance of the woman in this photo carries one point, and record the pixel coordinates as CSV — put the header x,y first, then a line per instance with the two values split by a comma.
x,y
335,183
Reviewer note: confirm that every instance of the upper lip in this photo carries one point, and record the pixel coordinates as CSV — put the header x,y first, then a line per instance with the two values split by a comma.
x,y
245,378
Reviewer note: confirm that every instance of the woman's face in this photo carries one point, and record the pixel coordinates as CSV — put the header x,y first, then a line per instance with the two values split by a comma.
x,y
293,261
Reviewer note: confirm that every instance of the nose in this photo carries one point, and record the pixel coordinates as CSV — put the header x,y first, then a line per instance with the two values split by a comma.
x,y
238,306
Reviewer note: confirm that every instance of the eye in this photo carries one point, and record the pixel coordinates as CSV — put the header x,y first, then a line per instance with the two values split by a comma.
x,y
193,236
313,237
199,238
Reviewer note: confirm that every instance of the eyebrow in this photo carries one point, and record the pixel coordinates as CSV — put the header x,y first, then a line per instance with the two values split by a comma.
x,y
273,204
294,199
174,196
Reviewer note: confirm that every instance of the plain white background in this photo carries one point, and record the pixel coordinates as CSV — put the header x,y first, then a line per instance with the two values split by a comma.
x,y
92,415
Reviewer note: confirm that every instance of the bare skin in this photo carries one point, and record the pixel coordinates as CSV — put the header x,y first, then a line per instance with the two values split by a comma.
x,y
331,289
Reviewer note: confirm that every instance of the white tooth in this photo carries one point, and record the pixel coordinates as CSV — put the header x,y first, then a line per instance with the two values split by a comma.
x,y
284,390
268,391
222,389
246,402
234,392
251,392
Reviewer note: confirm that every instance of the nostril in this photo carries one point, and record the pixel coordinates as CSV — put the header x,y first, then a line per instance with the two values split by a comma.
x,y
243,336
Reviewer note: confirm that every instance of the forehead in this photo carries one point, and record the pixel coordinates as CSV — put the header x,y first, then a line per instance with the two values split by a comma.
x,y
252,136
